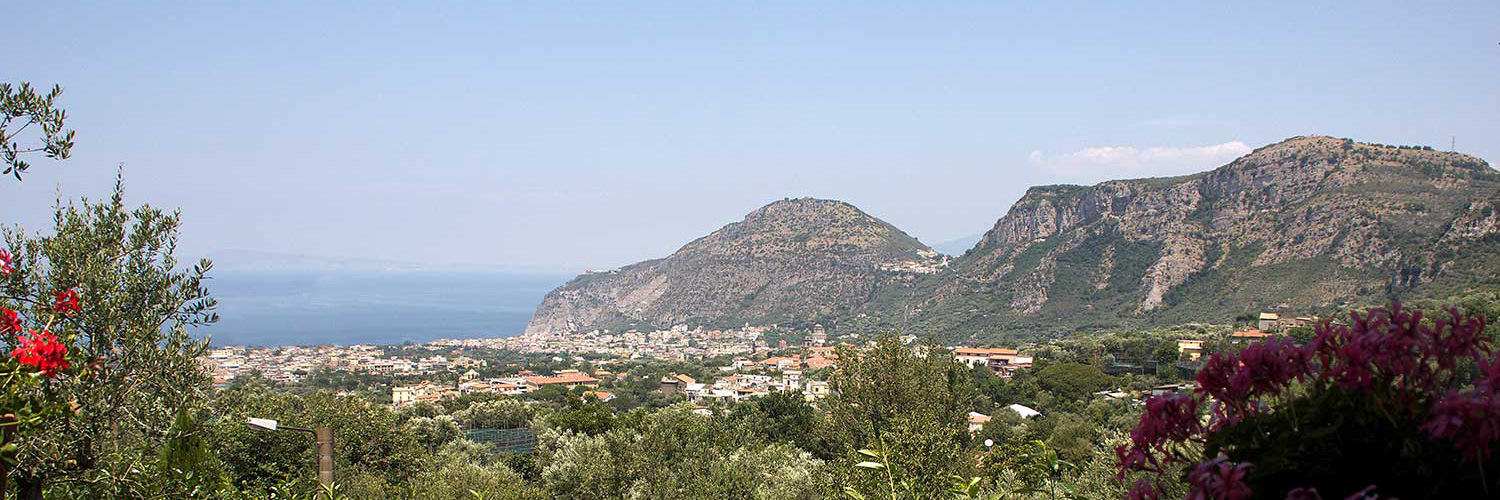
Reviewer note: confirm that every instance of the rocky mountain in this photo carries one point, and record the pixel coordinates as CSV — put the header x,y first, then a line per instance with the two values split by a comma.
x,y
791,262
1304,225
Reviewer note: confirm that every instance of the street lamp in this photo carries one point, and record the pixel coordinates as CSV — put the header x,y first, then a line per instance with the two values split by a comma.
x,y
322,437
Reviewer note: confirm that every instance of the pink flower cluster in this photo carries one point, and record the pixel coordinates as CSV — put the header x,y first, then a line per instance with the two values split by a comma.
x,y
1219,479
1236,383
1168,419
1470,418
1408,359
5,260
1392,347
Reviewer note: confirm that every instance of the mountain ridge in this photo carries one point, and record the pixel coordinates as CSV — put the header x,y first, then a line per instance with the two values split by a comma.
x,y
791,261
1307,223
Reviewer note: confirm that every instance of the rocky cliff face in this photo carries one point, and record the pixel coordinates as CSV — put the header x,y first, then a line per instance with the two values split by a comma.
x,y
1310,222
1303,225
793,261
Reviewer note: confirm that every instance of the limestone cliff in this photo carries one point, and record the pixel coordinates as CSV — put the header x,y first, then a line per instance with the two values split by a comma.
x,y
1304,224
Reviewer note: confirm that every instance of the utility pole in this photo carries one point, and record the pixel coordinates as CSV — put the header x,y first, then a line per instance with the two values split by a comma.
x,y
322,438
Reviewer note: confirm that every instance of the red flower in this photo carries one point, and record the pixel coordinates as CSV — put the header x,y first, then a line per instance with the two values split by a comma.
x,y
67,302
5,260
43,351
10,321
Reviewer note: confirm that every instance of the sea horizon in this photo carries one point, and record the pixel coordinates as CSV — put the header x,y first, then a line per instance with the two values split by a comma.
x,y
273,308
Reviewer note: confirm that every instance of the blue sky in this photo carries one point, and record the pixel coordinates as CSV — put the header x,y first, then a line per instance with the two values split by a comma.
x,y
586,135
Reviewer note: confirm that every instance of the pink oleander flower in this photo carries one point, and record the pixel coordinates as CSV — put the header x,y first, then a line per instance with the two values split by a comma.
x,y
1219,479
5,262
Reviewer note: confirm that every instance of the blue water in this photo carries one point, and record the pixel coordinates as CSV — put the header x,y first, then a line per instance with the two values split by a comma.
x,y
270,308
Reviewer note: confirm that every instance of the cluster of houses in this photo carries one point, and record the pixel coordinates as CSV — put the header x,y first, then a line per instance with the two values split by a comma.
x,y
1275,323
813,358
739,387
678,342
523,383
1268,325
1004,362
742,379
290,364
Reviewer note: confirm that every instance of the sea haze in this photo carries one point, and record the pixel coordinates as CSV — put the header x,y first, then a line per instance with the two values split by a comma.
x,y
310,307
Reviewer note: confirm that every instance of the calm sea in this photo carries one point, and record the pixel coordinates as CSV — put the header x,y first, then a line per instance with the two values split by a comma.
x,y
270,308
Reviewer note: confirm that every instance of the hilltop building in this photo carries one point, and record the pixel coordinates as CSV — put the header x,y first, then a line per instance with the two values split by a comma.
x,y
1003,362
566,378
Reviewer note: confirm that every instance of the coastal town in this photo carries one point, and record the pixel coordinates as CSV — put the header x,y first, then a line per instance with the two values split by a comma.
x,y
812,349
746,362
741,364
752,363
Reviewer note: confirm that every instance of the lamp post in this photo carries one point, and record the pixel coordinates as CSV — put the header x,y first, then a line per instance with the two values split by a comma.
x,y
322,437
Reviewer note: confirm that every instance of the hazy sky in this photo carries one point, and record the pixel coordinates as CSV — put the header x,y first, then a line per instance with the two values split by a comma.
x,y
593,135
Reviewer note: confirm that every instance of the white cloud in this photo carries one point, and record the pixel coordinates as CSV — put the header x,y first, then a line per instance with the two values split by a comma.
x,y
1101,163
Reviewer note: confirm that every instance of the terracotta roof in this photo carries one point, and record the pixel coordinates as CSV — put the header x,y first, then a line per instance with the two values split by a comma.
x,y
566,378
1252,334
983,351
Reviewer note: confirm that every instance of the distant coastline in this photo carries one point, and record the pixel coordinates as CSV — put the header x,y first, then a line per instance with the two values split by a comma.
x,y
346,307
